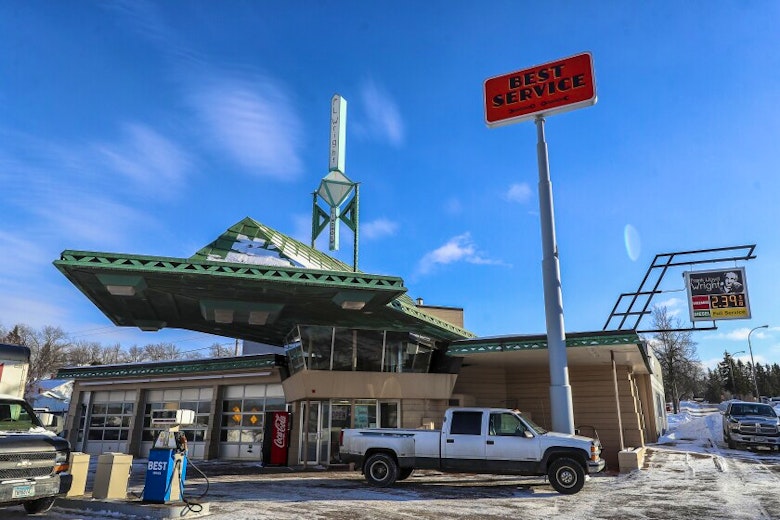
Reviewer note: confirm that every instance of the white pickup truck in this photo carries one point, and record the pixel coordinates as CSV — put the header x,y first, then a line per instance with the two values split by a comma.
x,y
474,440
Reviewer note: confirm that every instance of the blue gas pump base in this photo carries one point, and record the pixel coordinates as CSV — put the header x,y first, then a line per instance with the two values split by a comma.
x,y
165,472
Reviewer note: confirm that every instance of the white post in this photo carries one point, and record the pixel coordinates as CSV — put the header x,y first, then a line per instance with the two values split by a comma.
x,y
560,390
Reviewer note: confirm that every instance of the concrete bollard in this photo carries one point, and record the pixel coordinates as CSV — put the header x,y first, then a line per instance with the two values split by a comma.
x,y
79,467
112,476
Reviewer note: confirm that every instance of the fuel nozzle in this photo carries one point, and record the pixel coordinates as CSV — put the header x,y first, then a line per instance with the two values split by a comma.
x,y
181,442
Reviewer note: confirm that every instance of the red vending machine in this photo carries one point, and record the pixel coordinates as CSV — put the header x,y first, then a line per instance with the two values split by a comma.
x,y
276,438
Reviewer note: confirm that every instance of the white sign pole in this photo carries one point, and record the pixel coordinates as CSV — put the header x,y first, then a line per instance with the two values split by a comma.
x,y
560,390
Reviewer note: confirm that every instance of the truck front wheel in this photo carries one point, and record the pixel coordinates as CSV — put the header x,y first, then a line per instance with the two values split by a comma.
x,y
39,506
381,470
566,476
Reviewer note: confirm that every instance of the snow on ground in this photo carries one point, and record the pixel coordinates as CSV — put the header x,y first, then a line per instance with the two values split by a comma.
x,y
689,473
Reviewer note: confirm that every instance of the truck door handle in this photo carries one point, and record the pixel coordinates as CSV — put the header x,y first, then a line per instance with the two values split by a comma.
x,y
490,442
450,441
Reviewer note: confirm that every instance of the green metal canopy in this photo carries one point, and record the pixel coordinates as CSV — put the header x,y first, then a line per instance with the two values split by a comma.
x,y
252,283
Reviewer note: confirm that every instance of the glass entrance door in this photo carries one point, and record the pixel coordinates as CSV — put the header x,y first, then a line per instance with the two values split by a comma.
x,y
314,425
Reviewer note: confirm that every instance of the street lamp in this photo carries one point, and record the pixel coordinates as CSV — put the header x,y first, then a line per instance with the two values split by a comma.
x,y
753,363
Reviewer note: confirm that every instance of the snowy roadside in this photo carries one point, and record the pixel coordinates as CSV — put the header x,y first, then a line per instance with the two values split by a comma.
x,y
689,473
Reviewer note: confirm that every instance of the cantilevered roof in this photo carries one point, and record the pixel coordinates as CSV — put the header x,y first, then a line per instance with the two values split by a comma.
x,y
252,283
582,348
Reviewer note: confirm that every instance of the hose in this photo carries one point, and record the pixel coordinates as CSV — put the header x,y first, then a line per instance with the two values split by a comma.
x,y
190,504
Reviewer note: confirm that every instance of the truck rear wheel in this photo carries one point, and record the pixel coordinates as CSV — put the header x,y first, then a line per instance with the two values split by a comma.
x,y
39,506
566,476
381,470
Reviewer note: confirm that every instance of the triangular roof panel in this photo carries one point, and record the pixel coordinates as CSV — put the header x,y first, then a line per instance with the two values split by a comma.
x,y
250,242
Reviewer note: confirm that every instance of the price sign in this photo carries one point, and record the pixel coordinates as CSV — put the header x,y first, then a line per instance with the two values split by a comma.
x,y
718,294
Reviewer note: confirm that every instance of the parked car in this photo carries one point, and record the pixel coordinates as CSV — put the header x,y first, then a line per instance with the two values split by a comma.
x,y
751,424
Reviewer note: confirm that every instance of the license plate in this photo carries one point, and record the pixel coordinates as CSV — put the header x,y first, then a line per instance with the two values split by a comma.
x,y
23,491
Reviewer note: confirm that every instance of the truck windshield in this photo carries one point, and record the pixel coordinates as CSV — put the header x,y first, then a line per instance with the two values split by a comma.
x,y
16,416
535,427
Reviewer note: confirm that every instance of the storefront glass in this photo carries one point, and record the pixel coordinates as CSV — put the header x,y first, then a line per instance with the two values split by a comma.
x,y
340,349
242,419
322,422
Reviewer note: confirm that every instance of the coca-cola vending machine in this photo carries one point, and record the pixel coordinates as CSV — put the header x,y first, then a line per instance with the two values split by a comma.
x,y
276,438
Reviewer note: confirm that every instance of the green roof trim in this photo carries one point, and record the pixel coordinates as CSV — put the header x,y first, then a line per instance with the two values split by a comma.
x,y
171,368
290,275
515,343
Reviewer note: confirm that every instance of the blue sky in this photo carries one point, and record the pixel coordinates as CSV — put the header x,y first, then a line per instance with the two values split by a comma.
x,y
151,127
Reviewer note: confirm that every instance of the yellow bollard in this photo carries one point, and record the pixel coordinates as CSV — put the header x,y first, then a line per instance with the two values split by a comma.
x,y
79,467
113,473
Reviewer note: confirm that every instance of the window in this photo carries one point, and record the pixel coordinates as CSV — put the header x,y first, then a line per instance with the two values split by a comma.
x,y
341,349
369,352
110,421
505,424
243,413
466,423
195,399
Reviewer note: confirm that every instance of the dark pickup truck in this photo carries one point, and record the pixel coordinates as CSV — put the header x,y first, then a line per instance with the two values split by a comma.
x,y
751,424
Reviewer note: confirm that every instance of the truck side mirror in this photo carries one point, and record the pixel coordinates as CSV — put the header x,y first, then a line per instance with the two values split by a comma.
x,y
47,419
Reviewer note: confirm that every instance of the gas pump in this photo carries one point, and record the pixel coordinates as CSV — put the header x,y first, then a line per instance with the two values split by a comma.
x,y
167,464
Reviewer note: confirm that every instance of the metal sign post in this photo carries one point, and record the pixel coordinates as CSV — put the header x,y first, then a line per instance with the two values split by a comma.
x,y
535,93
335,188
560,390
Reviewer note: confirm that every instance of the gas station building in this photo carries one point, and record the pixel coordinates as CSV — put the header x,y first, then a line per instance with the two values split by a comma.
x,y
339,348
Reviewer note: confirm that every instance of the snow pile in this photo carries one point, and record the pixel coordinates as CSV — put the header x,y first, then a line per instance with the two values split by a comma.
x,y
698,426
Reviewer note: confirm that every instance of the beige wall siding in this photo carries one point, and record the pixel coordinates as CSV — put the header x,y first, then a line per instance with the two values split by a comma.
x,y
449,314
593,399
487,385
417,413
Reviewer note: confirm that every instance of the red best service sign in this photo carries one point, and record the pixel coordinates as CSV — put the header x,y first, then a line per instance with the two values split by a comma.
x,y
543,90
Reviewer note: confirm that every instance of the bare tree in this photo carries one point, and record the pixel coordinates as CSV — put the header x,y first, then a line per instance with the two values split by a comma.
x,y
134,354
84,353
48,352
112,355
162,352
221,350
676,352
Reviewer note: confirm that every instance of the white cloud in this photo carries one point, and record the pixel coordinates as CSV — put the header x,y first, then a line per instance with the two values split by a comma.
x,y
253,123
22,255
383,117
102,222
458,249
741,334
674,306
519,192
378,228
147,158
66,186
